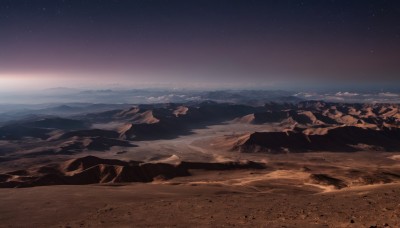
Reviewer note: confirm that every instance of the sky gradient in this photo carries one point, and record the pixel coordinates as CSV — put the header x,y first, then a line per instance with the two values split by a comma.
x,y
220,43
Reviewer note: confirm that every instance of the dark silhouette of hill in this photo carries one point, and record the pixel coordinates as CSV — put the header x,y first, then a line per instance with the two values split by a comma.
x,y
18,132
56,123
90,133
340,139
93,170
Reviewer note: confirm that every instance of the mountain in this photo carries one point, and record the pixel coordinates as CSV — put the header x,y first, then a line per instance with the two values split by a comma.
x,y
92,170
340,139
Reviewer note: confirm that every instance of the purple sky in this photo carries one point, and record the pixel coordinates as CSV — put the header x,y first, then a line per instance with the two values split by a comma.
x,y
220,43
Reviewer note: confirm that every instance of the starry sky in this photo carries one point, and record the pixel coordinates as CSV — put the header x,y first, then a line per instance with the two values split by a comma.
x,y
227,43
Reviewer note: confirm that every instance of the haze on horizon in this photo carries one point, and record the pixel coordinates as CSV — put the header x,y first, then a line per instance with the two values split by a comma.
x,y
207,44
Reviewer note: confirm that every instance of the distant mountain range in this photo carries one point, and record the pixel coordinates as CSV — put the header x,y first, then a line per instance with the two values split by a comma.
x,y
51,98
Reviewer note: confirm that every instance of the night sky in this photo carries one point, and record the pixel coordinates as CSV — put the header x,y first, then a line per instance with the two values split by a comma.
x,y
238,43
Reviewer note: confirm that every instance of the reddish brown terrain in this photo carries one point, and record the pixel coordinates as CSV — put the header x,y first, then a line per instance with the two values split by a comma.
x,y
306,164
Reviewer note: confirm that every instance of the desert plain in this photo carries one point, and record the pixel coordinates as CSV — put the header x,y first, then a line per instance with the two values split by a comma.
x,y
313,164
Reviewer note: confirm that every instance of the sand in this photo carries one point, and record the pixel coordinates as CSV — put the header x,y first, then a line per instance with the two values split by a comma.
x,y
295,188
200,205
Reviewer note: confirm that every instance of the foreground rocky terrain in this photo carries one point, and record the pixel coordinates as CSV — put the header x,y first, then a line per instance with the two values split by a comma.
x,y
183,204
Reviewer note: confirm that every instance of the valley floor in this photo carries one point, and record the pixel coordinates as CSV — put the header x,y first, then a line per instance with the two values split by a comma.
x,y
316,189
182,203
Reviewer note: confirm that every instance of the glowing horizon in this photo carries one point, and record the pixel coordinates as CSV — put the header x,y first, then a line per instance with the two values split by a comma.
x,y
131,43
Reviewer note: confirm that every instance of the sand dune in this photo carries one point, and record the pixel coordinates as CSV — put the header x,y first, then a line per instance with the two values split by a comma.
x,y
129,113
144,118
181,110
247,119
318,113
92,170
